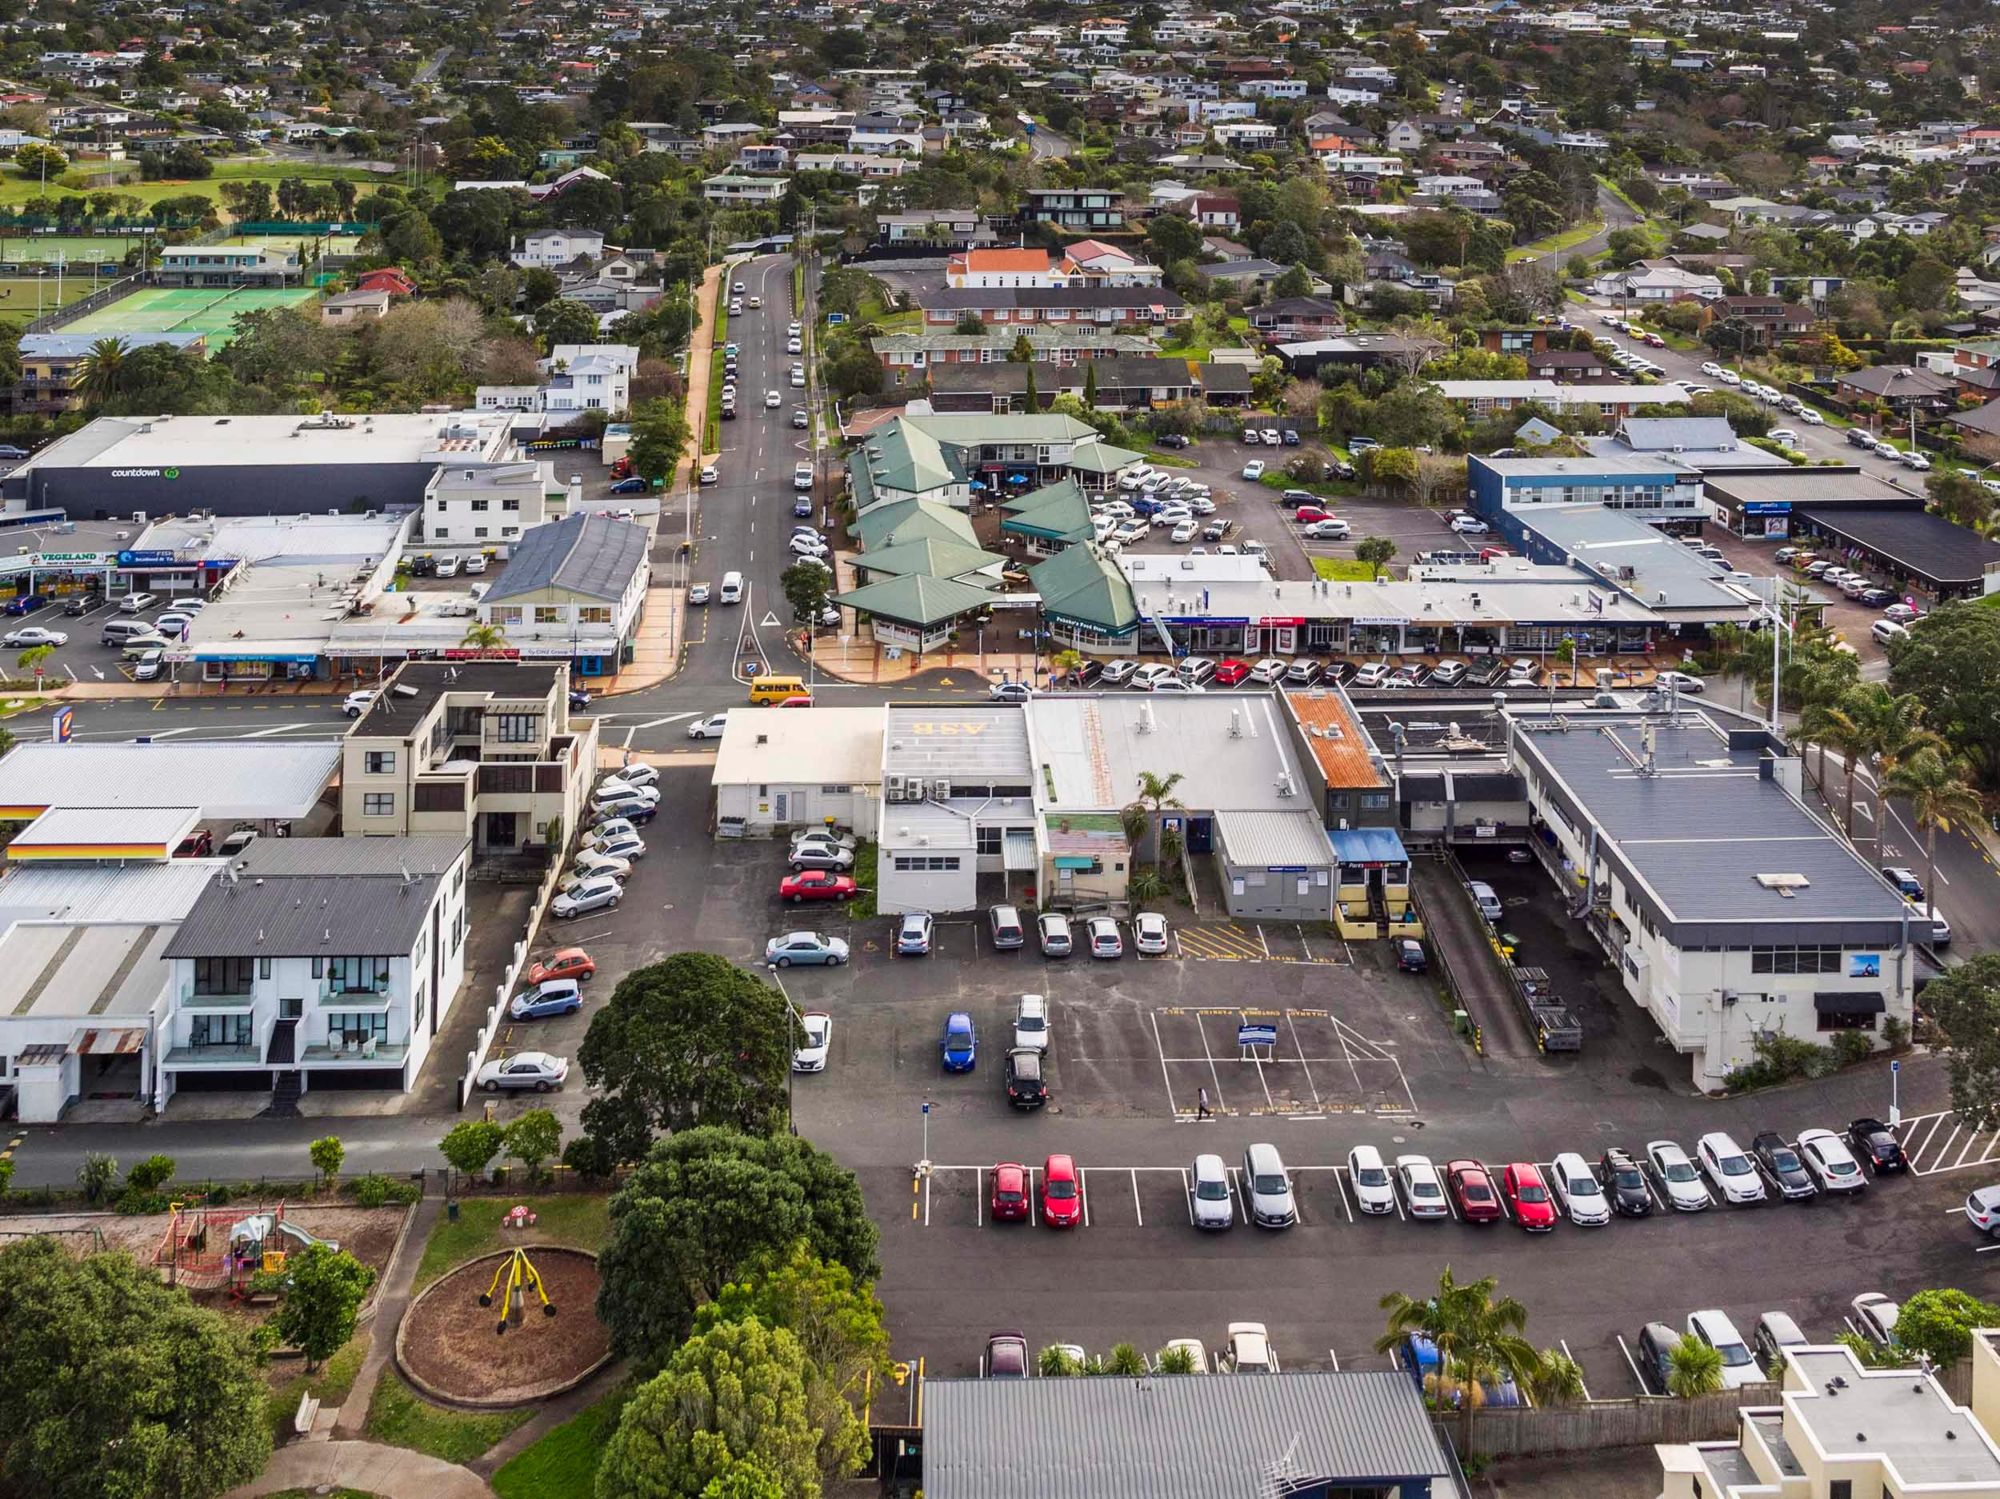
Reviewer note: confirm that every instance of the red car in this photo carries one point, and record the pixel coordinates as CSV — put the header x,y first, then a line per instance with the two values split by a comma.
x,y
1472,1190
1010,1191
816,884
1528,1195
570,963
1062,1194
1228,673
1305,515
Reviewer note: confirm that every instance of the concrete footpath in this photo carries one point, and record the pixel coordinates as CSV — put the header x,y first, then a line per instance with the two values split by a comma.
x,y
391,1472
389,1309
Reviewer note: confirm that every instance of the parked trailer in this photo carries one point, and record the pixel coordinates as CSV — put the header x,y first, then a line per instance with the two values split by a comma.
x,y
1554,1023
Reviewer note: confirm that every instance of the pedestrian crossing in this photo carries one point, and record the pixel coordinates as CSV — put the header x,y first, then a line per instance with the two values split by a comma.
x,y
1936,1143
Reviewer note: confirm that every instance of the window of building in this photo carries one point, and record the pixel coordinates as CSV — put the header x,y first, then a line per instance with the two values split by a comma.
x,y
594,614
1788,960
989,843
378,803
517,728
218,1030
506,614
222,975
417,1010
1374,801
358,975
926,863
510,504
343,1026
479,533
480,504
1845,1022
379,762
835,790
1840,1488
550,614
440,534
263,968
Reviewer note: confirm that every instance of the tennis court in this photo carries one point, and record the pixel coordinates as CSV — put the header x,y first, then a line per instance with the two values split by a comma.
x,y
77,249
162,309
297,244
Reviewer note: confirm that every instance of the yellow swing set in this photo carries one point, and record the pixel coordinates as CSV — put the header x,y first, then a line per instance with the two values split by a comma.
x,y
520,1274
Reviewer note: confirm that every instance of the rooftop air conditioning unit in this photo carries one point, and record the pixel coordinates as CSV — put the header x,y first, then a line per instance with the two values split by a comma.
x,y
941,789
913,789
892,788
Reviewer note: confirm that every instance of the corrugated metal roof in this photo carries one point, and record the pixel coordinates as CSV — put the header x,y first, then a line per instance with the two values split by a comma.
x,y
105,892
234,779
974,742
1187,1437
1273,840
320,897
99,826
593,555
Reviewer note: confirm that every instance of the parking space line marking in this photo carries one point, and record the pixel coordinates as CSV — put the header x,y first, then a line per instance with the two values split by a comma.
x,y
1166,1077
1305,1065
1950,1140
1261,942
1341,1187
1187,1194
927,1201
978,1197
1215,1076
1031,1197
1971,1140
1986,1248
1235,1191
1334,1359
1934,1121
1647,1182
1563,1343
1083,1196
1987,1154
1632,1364
1136,1205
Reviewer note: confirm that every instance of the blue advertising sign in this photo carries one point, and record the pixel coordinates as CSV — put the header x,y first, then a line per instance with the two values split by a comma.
x,y
145,559
64,723
1256,1035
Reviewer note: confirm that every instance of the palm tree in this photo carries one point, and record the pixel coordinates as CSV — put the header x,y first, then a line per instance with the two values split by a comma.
x,y
484,637
1693,1368
1896,732
1842,725
102,373
1478,1338
1939,792
1558,1380
1156,794
32,658
1125,1359
1054,1363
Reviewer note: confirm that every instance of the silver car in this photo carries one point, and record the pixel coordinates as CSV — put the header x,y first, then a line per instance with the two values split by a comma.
x,y
524,1069
1210,1202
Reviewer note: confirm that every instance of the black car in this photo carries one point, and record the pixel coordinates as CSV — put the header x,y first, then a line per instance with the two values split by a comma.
x,y
1487,675
1410,956
1026,1087
1782,1165
1876,1144
82,603
423,567
1173,440
1338,468
1657,1342
1292,498
1215,530
1625,1185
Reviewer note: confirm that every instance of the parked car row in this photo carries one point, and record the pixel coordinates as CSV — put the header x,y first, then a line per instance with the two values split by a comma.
x,y
1246,1351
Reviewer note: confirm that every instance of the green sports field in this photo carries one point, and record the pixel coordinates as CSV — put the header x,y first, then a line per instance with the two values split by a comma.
x,y
25,298
77,249
192,309
297,244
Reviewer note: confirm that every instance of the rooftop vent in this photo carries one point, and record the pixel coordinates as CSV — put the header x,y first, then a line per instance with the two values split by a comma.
x,y
1787,885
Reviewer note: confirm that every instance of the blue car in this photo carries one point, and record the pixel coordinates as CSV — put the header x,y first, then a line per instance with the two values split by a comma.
x,y
27,603
554,997
959,1046
633,485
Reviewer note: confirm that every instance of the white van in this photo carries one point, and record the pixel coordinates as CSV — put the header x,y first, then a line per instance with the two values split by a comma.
x,y
802,476
732,588
137,603
118,631
1483,897
1885,630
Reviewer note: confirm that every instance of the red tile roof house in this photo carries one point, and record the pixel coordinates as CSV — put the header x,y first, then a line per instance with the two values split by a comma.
x,y
390,279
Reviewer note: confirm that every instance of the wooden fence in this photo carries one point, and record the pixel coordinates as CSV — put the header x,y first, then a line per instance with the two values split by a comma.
x,y
1599,1425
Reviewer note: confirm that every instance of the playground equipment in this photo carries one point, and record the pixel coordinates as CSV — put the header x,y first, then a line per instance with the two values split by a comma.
x,y
206,1248
519,1273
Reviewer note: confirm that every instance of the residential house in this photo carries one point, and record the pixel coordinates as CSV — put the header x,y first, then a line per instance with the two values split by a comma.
x,y
1091,262
1899,386
354,307
494,504
931,228
549,248
728,188
1654,282
1759,322
1086,208
1295,319
52,365
1104,306
985,269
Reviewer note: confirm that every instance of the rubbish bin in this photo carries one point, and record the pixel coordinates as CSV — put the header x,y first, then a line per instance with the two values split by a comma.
x,y
451,1211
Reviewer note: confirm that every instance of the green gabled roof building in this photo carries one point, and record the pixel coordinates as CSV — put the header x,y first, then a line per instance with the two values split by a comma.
x,y
916,601
933,557
893,522
1055,516
1081,587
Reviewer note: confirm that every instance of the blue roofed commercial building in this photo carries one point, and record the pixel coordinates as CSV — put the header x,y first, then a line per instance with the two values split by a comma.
x,y
1729,910
1505,491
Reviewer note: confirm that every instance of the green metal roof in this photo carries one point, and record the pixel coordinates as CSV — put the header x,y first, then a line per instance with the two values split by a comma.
x,y
891,522
971,428
1102,458
933,556
1057,511
916,600
1082,584
904,455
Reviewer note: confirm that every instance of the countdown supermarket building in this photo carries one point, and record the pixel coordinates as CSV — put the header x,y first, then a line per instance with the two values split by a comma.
x,y
118,467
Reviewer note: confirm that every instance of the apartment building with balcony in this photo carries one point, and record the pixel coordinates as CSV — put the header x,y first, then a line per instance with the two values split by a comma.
x,y
478,749
1074,207
315,963
52,364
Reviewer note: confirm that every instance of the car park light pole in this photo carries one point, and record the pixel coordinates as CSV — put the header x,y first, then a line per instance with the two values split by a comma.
x,y
1895,1079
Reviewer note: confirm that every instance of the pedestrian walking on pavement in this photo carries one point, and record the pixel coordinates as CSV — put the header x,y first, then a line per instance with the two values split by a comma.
x,y
1200,1104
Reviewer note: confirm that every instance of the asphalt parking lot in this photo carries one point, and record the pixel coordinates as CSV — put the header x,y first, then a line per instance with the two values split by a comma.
x,y
1365,1056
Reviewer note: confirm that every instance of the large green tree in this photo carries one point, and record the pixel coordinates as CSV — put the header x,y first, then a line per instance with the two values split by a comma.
x,y
1951,664
1964,1004
690,1040
701,1209
117,1387
838,1322
1939,1323
1478,1336
732,1395
324,1288
659,439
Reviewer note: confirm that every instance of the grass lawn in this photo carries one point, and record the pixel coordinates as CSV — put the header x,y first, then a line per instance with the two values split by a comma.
x,y
911,321
1342,570
1556,244
717,364
15,188
25,298
331,1384
563,1464
865,873
402,1418
581,1220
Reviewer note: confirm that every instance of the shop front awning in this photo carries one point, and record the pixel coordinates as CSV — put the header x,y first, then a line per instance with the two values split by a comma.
x,y
1017,852
1368,846
1848,1002
1074,861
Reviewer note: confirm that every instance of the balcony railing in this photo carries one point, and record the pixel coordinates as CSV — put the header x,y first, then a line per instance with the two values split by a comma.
x,y
233,1003
215,1056
387,1054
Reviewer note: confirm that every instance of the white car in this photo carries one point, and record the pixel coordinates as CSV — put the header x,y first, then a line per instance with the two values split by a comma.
x,y
614,797
1149,932
808,546
591,862
1830,1161
1714,1328
815,1035
1254,469
1875,1316
597,893
1728,377
1680,681
626,844
1729,1166
641,774
1268,670
1250,1349
1577,1189
710,727
773,400
1149,677
36,635
1423,1192
1812,418
356,703
794,346
1031,1023
1469,525
1373,1191
1184,532
709,473
1677,1177
1210,1202
524,1069
1711,369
